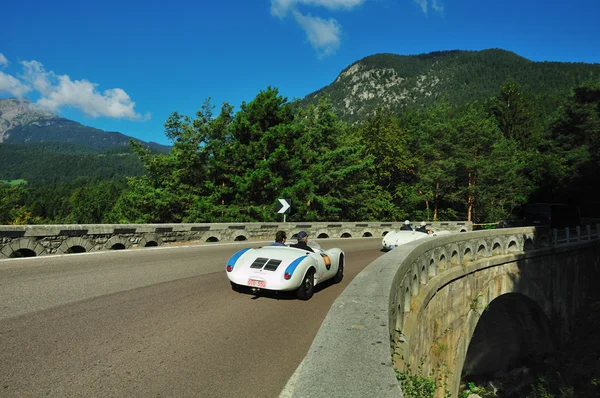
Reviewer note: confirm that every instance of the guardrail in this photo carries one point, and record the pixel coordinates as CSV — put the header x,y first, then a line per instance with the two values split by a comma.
x,y
569,235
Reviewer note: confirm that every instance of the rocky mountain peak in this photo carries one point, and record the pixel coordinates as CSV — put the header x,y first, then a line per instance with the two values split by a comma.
x,y
15,112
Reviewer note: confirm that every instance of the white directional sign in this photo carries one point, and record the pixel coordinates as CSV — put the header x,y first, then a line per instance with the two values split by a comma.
x,y
283,206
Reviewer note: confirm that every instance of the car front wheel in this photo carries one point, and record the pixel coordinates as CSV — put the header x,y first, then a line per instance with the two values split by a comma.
x,y
339,275
307,287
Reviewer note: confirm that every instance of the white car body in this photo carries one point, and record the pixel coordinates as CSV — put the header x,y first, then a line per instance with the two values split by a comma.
x,y
284,268
394,239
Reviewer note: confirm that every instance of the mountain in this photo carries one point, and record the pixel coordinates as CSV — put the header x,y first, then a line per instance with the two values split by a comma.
x,y
400,82
21,122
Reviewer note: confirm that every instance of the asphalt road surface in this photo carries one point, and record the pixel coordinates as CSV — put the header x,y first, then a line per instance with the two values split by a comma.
x,y
154,322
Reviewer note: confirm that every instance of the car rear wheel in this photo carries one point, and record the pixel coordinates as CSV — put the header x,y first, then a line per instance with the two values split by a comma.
x,y
339,275
307,287
235,287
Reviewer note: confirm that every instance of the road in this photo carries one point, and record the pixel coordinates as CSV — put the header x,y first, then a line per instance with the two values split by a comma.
x,y
154,322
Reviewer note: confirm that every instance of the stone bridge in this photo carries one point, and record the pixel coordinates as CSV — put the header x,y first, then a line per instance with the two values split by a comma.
x,y
476,302
37,240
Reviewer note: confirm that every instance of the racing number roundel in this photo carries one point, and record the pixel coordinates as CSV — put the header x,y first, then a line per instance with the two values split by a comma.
x,y
327,261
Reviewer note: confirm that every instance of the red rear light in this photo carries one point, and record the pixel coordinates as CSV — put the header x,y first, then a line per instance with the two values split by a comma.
x,y
229,268
287,276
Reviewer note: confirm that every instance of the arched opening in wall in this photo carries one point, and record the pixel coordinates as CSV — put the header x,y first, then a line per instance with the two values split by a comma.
x,y
432,270
423,275
367,235
385,233
442,263
151,244
454,258
117,246
496,249
528,245
22,253
463,230
512,246
75,249
415,285
468,256
481,251
212,239
407,297
511,339
544,242
240,238
346,235
323,236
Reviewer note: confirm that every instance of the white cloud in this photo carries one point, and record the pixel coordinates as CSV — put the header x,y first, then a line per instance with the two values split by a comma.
x,y
436,7
11,85
59,90
323,35
3,60
280,8
424,4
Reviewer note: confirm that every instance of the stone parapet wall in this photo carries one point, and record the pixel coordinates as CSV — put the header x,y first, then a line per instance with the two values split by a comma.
x,y
38,240
424,298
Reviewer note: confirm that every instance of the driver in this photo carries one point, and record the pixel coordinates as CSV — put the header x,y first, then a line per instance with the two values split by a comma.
x,y
424,228
406,226
302,242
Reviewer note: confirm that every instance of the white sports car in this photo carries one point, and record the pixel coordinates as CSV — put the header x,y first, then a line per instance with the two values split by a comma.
x,y
396,238
282,268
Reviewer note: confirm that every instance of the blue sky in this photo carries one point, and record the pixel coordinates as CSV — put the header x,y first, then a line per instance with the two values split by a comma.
x,y
126,65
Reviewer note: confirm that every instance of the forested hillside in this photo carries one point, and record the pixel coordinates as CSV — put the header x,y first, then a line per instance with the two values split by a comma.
x,y
451,157
401,82
62,162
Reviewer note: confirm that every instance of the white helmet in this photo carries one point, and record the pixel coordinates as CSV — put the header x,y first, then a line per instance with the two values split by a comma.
x,y
423,223
406,222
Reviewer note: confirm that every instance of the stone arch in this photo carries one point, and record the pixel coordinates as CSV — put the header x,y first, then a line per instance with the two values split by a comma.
x,y
528,244
117,242
468,254
407,299
367,234
75,245
497,247
23,245
415,280
241,237
385,233
513,245
442,263
454,259
453,255
482,249
544,241
150,239
432,268
423,272
346,234
323,235
472,315
212,239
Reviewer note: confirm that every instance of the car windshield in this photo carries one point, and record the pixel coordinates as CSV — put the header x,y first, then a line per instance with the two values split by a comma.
x,y
314,244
